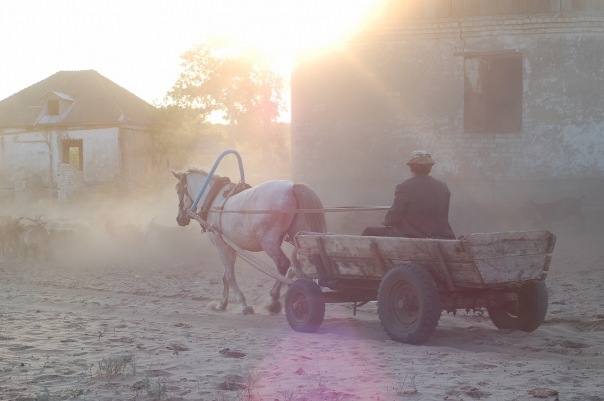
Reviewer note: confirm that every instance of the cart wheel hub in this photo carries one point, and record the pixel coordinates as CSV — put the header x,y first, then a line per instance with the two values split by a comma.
x,y
407,303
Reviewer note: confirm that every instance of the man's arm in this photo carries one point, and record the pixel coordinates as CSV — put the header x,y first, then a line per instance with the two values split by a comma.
x,y
396,213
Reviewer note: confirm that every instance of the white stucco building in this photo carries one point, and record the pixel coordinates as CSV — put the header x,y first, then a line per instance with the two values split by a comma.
x,y
71,131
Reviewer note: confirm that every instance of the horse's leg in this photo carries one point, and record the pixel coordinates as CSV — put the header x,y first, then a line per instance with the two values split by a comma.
x,y
228,256
273,249
225,292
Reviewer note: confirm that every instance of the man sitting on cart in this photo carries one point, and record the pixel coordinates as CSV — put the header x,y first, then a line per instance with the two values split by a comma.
x,y
421,205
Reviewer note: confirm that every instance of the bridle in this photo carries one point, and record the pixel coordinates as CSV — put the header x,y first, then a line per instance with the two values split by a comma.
x,y
184,215
182,189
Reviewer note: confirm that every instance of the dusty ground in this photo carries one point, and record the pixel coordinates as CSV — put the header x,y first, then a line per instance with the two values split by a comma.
x,y
131,322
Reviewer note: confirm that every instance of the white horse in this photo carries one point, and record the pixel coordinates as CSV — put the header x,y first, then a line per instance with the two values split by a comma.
x,y
231,214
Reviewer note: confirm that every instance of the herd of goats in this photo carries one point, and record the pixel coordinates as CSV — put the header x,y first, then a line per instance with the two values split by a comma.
x,y
22,236
43,239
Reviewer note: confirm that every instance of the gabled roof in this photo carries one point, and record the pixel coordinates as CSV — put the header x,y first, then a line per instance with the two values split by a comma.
x,y
95,100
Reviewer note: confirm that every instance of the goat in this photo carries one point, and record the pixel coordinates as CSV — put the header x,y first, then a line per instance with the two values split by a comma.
x,y
35,238
9,236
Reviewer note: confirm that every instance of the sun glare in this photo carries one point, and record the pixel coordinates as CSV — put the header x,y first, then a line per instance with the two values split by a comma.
x,y
288,30
285,31
139,47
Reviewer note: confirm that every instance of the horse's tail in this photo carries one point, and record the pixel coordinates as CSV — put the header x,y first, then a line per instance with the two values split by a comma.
x,y
307,199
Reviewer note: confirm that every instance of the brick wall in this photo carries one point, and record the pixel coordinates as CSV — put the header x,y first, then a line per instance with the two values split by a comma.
x,y
357,114
69,181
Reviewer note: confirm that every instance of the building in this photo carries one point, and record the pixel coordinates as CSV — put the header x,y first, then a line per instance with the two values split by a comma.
x,y
506,94
73,131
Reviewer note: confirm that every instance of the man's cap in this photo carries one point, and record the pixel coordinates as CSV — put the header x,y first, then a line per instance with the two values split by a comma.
x,y
421,157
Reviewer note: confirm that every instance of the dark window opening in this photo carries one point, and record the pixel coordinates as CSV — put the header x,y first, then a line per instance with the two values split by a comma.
x,y
53,107
73,153
493,93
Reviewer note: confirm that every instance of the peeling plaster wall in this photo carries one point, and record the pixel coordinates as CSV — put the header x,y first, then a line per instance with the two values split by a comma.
x,y
25,154
357,114
102,153
39,154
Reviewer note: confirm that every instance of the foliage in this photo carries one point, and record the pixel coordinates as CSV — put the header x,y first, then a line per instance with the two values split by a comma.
x,y
158,391
178,135
116,365
227,79
226,83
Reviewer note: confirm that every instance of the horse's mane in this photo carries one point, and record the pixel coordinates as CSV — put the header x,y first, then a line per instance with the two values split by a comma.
x,y
197,170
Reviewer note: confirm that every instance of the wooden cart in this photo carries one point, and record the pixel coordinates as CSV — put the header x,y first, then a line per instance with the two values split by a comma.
x,y
414,280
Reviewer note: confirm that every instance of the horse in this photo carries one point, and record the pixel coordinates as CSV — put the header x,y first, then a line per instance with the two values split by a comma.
x,y
229,209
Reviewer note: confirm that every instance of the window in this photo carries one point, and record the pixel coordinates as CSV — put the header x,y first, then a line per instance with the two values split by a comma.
x,y
72,153
53,107
493,93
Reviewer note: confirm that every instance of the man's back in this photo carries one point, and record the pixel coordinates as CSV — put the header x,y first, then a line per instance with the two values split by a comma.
x,y
421,209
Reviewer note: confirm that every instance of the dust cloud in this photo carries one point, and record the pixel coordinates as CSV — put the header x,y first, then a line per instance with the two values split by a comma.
x,y
112,229
477,207
139,227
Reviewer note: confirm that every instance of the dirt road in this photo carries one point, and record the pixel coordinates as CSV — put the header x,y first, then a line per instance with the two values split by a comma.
x,y
139,328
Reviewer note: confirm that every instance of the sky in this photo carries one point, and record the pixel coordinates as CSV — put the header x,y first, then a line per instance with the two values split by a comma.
x,y
138,43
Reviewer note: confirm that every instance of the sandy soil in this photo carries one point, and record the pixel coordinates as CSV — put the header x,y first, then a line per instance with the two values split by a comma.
x,y
131,322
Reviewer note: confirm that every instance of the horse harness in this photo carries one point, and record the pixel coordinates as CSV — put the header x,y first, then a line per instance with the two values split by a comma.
x,y
214,190
218,183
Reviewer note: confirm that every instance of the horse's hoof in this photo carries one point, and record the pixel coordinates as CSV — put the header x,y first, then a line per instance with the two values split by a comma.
x,y
248,310
274,307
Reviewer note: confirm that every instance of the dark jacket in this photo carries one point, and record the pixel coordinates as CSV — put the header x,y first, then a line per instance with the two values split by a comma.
x,y
420,209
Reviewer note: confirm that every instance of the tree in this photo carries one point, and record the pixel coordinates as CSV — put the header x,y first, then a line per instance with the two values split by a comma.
x,y
178,134
229,79
226,81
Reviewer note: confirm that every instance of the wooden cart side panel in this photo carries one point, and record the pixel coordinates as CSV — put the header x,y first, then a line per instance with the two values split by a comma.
x,y
307,267
462,274
475,261
512,269
509,244
465,275
486,271
409,249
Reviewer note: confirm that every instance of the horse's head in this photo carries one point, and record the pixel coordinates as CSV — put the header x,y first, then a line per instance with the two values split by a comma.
x,y
185,200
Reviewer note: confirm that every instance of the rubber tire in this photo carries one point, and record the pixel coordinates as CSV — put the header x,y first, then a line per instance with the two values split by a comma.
x,y
414,284
528,314
304,306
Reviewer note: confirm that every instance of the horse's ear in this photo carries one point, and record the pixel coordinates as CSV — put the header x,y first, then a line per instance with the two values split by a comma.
x,y
176,174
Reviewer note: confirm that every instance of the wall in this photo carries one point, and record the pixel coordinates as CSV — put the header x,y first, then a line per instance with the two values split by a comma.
x,y
396,11
357,114
69,181
38,154
24,154
136,160
101,152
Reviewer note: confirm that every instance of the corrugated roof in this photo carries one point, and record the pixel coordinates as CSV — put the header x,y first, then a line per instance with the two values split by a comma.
x,y
96,100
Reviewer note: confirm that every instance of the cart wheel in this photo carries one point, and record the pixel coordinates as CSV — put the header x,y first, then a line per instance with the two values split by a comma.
x,y
527,314
304,305
408,304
